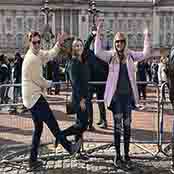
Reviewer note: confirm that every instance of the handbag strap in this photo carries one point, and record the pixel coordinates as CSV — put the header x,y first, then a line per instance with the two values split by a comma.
x,y
67,88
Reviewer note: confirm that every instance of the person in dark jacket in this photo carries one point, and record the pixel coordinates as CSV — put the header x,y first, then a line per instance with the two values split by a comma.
x,y
154,70
17,75
98,73
4,77
79,75
48,69
141,76
56,75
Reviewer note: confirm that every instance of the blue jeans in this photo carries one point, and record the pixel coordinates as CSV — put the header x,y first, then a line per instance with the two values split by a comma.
x,y
81,123
41,112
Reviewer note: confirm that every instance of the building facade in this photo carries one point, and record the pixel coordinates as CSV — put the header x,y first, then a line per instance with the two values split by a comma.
x,y
17,17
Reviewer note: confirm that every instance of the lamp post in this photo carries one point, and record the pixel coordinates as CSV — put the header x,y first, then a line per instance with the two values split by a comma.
x,y
93,11
47,31
46,34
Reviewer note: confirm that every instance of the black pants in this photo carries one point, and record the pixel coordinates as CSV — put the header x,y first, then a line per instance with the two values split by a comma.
x,y
142,90
122,113
99,90
81,124
41,112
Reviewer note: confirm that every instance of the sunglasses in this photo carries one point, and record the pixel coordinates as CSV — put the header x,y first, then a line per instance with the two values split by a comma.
x,y
121,41
36,42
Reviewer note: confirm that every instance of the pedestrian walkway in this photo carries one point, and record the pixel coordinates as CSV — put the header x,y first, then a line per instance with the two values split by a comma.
x,y
100,161
15,138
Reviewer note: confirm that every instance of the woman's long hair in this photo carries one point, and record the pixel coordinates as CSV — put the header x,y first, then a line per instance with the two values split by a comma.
x,y
84,53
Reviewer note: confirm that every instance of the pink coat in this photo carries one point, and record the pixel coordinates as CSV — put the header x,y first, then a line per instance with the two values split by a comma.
x,y
114,67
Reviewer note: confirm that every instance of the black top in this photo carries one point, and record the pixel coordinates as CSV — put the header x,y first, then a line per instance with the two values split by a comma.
x,y
79,75
123,86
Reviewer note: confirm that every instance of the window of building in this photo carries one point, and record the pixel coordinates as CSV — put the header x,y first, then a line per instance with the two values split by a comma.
x,y
161,39
19,41
75,23
168,39
9,40
19,24
139,25
162,23
30,24
111,21
67,21
168,22
130,39
58,21
129,25
0,25
120,24
41,22
8,27
139,40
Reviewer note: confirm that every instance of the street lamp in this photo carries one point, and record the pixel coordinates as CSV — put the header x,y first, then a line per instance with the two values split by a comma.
x,y
93,10
47,32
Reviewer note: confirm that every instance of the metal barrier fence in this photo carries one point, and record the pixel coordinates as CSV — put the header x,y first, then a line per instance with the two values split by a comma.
x,y
147,123
166,120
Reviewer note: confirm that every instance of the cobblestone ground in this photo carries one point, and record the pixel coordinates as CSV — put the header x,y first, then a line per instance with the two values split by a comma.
x,y
100,161
145,160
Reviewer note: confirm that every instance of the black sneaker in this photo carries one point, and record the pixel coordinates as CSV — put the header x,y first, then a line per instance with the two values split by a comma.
x,y
80,156
75,147
100,122
118,162
103,125
56,142
128,162
34,164
91,128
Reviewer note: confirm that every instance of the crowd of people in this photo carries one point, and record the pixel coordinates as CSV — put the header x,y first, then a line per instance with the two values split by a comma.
x,y
119,67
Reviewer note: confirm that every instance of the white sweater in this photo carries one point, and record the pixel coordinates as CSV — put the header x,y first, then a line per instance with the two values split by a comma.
x,y
33,82
162,77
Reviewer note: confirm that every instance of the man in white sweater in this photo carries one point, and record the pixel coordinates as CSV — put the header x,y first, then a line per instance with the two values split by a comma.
x,y
33,85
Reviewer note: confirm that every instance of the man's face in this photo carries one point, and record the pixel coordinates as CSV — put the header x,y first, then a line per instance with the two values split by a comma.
x,y
35,43
120,42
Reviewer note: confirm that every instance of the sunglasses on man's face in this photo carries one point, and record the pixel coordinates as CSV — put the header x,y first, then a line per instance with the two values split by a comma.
x,y
36,42
120,41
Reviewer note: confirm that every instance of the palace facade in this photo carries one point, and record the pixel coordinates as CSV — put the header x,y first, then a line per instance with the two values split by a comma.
x,y
17,17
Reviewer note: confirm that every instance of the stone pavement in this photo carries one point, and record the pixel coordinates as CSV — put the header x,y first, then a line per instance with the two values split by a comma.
x,y
100,161
16,130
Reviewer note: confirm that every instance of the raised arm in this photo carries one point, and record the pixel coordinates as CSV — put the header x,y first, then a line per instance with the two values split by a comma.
x,y
146,53
99,52
48,55
89,41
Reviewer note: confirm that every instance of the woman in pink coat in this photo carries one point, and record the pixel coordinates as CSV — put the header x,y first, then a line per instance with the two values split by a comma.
x,y
121,92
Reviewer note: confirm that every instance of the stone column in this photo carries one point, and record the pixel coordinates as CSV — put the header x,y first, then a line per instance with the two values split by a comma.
x,y
53,26
156,27
62,20
71,23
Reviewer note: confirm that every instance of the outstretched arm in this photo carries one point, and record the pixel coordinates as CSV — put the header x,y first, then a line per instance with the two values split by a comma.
x,y
146,53
99,52
48,55
89,41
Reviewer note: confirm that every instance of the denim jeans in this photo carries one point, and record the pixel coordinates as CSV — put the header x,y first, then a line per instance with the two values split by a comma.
x,y
41,112
81,124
